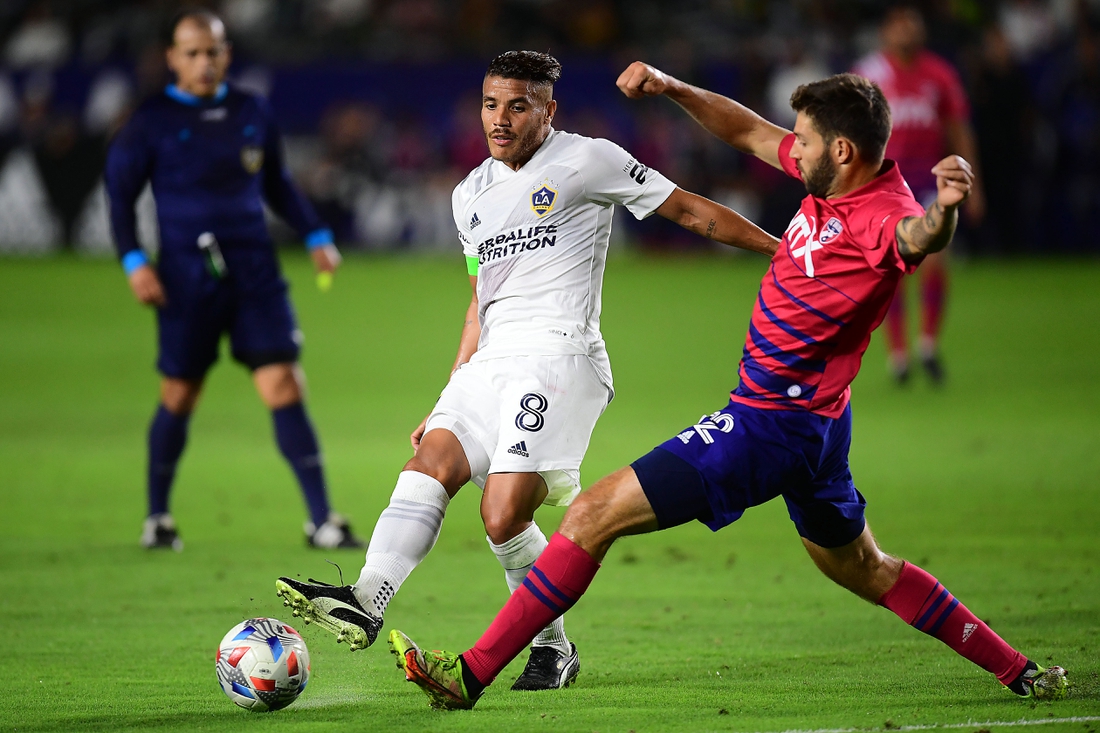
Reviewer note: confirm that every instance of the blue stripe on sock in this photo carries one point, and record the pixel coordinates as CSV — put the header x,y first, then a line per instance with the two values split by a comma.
x,y
542,597
950,609
920,622
550,586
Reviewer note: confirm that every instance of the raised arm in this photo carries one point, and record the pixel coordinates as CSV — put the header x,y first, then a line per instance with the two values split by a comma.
x,y
724,118
919,236
962,142
717,222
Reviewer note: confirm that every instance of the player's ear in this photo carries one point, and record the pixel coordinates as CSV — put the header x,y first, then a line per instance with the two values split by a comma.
x,y
843,151
551,110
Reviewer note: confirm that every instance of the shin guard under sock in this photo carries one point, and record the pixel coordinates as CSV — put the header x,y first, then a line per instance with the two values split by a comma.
x,y
298,443
923,603
557,580
167,438
516,556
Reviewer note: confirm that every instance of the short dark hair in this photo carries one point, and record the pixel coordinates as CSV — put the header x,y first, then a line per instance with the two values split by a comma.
x,y
541,69
847,105
892,10
199,14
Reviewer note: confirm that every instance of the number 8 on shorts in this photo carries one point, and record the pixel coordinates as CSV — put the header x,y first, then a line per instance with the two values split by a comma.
x,y
532,407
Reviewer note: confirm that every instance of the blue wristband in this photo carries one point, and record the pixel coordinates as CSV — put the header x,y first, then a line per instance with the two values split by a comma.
x,y
318,238
132,260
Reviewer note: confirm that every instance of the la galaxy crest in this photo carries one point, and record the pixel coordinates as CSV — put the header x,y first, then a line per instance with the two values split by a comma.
x,y
252,158
543,198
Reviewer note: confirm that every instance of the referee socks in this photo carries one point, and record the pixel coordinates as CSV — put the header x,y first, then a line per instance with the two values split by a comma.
x,y
298,443
167,437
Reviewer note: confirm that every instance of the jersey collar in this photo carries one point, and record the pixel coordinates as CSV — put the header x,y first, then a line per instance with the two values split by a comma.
x,y
888,178
193,100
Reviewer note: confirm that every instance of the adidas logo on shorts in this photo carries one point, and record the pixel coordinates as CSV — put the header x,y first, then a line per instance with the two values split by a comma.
x,y
520,449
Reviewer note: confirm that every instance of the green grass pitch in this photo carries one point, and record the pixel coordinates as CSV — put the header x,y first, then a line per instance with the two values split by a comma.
x,y
992,484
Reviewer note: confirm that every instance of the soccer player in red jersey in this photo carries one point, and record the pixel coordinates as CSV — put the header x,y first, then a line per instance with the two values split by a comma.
x,y
787,428
931,118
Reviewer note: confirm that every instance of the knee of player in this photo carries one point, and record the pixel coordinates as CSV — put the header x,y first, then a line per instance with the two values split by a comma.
x,y
584,522
504,523
179,396
869,574
445,472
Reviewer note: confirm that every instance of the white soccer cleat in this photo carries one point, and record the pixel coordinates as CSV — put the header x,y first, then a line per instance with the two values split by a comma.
x,y
159,532
335,534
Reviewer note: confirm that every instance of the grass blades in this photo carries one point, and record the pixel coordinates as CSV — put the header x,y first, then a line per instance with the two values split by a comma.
x,y
990,483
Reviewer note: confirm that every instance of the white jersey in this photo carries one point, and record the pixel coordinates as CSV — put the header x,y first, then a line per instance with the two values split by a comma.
x,y
537,240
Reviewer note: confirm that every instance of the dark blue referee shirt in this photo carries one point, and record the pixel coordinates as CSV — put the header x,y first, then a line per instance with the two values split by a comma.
x,y
211,163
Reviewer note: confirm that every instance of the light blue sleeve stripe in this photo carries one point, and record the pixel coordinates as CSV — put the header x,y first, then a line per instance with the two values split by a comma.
x,y
318,238
132,260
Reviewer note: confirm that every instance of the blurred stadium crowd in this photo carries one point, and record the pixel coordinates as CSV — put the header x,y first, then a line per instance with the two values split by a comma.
x,y
379,102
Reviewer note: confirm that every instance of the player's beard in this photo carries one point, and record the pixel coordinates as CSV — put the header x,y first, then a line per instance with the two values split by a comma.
x,y
524,147
819,181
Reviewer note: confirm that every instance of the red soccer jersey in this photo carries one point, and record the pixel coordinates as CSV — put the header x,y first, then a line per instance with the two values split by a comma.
x,y
828,287
923,97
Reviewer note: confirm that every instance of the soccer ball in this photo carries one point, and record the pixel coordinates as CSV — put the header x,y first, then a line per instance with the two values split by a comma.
x,y
262,664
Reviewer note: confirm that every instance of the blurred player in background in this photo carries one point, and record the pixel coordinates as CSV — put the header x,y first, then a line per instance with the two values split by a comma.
x,y
786,430
213,156
532,375
931,119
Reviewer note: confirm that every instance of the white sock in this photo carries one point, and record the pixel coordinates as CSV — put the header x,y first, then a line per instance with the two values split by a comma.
x,y
517,555
404,534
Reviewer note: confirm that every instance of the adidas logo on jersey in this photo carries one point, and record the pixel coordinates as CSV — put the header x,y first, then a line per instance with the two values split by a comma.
x,y
474,221
520,449
968,629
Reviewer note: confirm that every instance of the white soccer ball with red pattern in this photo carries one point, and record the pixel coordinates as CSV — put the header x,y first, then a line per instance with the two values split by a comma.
x,y
262,664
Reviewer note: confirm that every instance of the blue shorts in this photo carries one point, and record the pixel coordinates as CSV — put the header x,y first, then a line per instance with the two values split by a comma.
x,y
250,304
742,456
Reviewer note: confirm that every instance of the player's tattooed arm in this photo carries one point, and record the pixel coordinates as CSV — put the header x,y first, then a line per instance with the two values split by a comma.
x,y
717,222
923,235
733,123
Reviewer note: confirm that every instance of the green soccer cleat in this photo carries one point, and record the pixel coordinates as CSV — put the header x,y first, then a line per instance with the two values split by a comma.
x,y
1048,683
438,674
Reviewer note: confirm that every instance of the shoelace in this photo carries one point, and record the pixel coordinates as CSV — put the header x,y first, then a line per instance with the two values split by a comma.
x,y
329,585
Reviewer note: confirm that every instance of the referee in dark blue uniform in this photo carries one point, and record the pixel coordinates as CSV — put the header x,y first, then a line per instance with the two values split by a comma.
x,y
213,155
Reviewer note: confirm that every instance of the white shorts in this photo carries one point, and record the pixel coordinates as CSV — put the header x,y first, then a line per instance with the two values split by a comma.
x,y
524,414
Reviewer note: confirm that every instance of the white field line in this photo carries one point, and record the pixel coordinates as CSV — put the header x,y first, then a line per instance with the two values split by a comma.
x,y
948,726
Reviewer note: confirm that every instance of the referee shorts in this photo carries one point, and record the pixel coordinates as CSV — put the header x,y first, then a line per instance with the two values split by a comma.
x,y
250,304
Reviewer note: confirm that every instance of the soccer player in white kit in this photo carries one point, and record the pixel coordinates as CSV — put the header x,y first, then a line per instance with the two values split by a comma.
x,y
532,375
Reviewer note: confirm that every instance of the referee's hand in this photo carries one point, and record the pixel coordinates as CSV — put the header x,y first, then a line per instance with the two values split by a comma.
x,y
326,258
147,288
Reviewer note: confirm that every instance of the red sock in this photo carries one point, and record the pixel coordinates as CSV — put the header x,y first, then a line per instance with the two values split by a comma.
x,y
897,327
559,577
933,296
927,606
